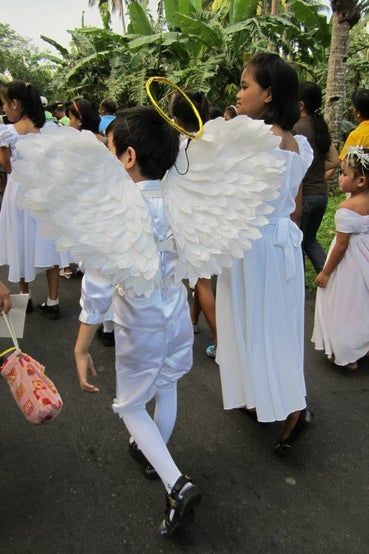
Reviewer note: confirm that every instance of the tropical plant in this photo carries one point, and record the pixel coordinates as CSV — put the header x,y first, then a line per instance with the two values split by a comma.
x,y
20,60
105,6
199,44
346,14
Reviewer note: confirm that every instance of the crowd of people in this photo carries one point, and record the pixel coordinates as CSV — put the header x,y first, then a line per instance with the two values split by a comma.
x,y
256,317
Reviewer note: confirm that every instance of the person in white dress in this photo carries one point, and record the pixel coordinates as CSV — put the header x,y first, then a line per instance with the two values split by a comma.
x,y
341,326
260,300
22,247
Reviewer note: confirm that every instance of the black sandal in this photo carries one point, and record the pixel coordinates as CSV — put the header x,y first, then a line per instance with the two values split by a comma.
x,y
180,506
303,423
146,468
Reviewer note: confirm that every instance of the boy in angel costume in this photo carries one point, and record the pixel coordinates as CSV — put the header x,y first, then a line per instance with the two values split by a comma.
x,y
142,218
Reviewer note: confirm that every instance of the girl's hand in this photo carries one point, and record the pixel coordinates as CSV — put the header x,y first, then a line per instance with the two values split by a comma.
x,y
85,365
322,279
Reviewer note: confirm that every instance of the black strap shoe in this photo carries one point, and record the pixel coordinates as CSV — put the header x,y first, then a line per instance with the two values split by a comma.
x,y
51,312
146,468
302,425
181,502
107,339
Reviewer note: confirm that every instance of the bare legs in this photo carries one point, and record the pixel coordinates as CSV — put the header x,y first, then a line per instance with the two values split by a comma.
x,y
204,300
53,278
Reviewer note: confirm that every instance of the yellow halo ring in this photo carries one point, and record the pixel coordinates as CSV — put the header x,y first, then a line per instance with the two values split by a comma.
x,y
165,116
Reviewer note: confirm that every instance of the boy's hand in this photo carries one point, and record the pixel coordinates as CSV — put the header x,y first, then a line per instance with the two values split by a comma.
x,y
322,279
85,365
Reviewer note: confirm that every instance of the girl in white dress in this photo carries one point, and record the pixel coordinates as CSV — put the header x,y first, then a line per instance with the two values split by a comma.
x,y
21,247
341,325
260,301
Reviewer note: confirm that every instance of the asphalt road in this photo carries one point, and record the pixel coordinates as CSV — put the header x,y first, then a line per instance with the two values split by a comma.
x,y
70,486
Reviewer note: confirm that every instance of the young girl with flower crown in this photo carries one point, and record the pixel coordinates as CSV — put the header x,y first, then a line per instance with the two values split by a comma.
x,y
342,304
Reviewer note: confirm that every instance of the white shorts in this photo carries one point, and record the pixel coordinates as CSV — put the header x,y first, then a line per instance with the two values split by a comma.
x,y
146,360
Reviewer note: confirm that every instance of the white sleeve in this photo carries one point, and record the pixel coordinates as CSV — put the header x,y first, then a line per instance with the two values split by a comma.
x,y
96,298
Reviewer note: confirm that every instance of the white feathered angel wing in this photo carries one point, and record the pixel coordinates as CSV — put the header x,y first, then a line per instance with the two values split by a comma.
x,y
215,208
88,203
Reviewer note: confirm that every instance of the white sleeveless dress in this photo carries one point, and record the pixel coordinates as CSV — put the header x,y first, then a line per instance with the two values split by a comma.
x,y
22,247
260,311
341,325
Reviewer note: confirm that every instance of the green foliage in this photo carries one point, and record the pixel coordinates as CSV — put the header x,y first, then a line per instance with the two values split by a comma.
x,y
19,60
200,44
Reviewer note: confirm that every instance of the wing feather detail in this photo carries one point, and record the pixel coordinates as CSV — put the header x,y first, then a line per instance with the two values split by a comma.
x,y
88,203
219,193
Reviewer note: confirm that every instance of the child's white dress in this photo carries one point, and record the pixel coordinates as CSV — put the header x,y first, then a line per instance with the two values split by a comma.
x,y
260,311
341,325
22,246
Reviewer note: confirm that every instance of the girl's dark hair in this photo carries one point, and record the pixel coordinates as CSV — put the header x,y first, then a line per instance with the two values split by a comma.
x,y
271,72
311,95
85,111
28,97
155,142
182,111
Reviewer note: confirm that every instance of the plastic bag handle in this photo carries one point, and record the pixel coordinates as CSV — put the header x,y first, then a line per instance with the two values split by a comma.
x,y
10,327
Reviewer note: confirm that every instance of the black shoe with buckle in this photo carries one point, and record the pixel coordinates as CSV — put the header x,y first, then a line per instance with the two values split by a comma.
x,y
51,312
181,503
302,425
107,339
146,468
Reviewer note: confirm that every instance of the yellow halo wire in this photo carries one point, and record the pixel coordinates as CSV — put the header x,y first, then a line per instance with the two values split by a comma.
x,y
166,117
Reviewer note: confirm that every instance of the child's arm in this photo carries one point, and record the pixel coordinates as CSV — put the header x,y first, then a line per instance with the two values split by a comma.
x,y
336,255
84,362
332,160
96,299
5,159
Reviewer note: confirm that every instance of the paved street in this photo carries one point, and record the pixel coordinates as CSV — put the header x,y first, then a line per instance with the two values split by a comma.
x,y
71,487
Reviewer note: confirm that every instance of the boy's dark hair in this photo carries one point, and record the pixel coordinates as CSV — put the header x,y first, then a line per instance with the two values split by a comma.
x,y
58,106
29,98
85,111
109,106
155,142
182,111
271,72
360,100
311,95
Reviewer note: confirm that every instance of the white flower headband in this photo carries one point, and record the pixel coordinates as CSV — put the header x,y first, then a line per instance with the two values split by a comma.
x,y
358,153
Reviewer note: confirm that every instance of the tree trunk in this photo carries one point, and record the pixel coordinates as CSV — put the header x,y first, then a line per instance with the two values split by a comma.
x,y
274,7
266,7
336,89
